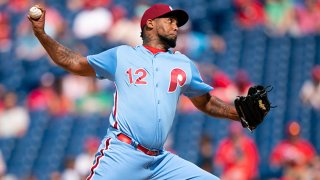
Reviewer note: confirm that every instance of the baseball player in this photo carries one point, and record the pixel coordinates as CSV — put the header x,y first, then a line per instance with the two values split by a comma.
x,y
149,80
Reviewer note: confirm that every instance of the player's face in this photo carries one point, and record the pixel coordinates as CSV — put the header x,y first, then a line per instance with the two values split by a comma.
x,y
167,30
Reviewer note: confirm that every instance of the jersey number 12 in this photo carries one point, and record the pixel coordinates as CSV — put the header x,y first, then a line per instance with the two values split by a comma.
x,y
142,74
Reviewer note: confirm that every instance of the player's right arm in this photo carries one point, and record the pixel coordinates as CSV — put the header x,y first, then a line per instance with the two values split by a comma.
x,y
215,107
62,56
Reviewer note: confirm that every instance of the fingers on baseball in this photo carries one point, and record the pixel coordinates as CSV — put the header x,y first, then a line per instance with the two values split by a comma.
x,y
30,19
41,8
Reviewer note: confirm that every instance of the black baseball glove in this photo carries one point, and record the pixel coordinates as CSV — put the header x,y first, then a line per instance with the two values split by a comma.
x,y
254,107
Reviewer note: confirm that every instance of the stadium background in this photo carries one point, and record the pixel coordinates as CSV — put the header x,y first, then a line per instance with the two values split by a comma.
x,y
219,37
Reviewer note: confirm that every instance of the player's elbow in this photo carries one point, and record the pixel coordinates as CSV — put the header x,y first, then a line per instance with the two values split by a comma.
x,y
80,67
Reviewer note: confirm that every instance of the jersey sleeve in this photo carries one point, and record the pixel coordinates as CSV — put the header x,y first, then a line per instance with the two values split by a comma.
x,y
196,87
104,63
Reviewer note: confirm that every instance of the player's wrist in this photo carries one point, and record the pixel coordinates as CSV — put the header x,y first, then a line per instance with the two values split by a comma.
x,y
39,33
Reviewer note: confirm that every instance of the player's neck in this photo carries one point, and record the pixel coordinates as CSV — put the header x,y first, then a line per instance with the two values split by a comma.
x,y
154,41
153,49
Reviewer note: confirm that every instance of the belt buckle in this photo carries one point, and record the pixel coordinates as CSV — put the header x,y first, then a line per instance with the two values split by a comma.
x,y
134,143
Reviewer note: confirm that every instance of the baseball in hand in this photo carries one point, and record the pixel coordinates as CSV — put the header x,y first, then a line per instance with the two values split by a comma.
x,y
35,13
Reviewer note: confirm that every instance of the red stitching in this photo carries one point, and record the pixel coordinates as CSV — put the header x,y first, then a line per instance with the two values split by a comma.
x,y
98,159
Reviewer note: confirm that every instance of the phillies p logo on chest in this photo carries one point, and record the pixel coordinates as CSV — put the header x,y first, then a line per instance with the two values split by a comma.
x,y
177,77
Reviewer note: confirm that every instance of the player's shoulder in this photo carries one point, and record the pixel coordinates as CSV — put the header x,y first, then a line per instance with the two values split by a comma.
x,y
125,47
181,56
178,53
115,49
121,49
128,50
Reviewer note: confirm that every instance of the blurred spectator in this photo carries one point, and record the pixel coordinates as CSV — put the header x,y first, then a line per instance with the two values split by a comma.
x,y
83,162
69,172
2,92
31,177
237,155
249,13
121,23
10,177
293,154
39,99
242,82
75,87
3,2
206,154
95,101
218,43
14,120
5,33
49,97
17,10
280,16
119,33
18,6
224,88
74,6
310,91
194,44
2,166
315,168
308,17
94,19
55,22
61,104
27,46
55,175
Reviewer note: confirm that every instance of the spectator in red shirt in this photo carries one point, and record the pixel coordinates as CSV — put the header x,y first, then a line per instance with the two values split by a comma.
x,y
242,82
310,91
5,33
249,13
224,87
49,97
237,155
308,17
293,154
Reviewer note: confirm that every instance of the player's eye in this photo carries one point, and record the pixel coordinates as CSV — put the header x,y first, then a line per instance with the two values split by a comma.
x,y
171,20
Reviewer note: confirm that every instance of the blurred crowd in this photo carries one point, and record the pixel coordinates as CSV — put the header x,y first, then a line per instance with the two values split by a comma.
x,y
30,82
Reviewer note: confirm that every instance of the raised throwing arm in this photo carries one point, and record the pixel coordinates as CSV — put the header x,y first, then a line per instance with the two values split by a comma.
x,y
62,56
215,107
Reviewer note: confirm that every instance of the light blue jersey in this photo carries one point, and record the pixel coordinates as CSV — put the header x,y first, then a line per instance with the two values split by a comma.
x,y
148,87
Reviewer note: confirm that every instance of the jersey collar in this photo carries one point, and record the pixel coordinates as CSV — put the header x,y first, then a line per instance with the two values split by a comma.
x,y
153,50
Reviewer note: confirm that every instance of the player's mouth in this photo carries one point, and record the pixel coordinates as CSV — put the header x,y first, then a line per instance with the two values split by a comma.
x,y
173,35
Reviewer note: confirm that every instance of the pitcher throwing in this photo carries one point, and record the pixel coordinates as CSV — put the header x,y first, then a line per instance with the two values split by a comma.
x,y
149,80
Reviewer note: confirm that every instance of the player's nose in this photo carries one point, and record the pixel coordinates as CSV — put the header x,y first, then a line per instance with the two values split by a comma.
x,y
175,27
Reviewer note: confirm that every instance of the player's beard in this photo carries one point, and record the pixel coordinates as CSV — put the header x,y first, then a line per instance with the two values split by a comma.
x,y
171,42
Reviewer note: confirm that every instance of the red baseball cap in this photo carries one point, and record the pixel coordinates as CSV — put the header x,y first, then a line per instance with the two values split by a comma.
x,y
159,10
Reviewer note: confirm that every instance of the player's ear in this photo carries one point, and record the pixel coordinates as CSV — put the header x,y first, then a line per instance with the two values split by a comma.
x,y
150,23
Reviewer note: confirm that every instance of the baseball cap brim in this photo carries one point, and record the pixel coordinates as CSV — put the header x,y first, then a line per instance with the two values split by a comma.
x,y
181,15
